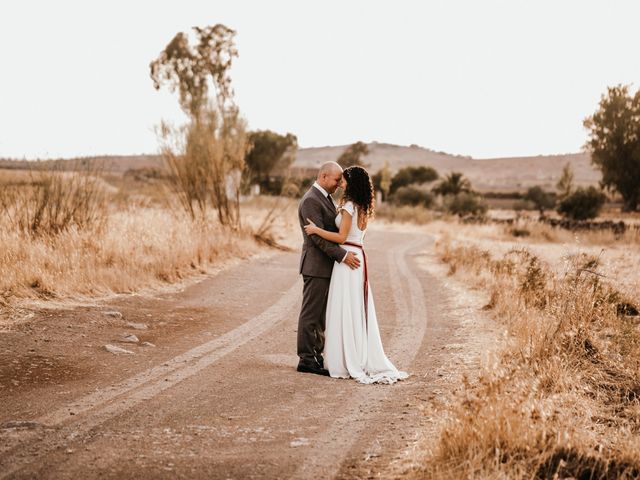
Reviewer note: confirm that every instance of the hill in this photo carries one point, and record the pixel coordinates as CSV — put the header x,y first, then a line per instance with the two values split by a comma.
x,y
108,163
496,174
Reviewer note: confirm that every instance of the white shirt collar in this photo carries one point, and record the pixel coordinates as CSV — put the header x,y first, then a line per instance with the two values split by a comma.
x,y
317,185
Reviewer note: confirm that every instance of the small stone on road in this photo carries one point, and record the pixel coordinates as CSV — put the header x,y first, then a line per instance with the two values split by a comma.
x,y
117,350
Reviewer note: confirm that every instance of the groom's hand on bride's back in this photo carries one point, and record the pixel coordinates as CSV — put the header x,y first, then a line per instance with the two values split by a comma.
x,y
351,260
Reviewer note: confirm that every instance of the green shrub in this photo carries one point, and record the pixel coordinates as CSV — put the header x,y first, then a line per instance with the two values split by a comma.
x,y
453,184
541,200
465,203
582,204
412,196
412,175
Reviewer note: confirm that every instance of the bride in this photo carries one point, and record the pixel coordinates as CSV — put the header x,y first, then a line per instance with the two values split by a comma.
x,y
353,347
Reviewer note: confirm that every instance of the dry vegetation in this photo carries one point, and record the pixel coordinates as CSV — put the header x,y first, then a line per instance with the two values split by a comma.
x,y
619,261
133,238
563,398
404,214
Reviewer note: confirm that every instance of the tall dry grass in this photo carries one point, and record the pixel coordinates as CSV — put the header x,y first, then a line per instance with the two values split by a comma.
x,y
14,177
273,221
205,159
49,201
134,249
417,215
537,231
142,238
563,400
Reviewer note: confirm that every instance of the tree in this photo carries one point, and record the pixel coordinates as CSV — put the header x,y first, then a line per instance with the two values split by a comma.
x,y
614,143
269,151
352,155
453,184
541,199
190,69
207,155
382,181
412,175
582,204
565,183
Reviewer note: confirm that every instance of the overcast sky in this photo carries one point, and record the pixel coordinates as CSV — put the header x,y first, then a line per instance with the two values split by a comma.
x,y
480,78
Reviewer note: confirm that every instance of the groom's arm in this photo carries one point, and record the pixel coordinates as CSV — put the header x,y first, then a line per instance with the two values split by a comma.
x,y
312,210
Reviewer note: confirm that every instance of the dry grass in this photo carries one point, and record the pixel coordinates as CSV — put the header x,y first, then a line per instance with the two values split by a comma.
x,y
51,201
136,248
618,258
11,177
205,160
405,214
273,221
144,240
563,400
543,233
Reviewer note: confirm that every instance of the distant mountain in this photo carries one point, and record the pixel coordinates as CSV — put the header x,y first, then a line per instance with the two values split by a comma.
x,y
109,163
496,174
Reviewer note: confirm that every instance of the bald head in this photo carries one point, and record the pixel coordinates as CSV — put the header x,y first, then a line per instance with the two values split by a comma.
x,y
329,176
329,168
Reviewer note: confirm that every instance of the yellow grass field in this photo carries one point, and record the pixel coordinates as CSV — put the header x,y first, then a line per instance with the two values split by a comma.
x,y
14,177
143,243
563,396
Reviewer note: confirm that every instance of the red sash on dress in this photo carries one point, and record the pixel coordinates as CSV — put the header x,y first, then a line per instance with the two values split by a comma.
x,y
366,282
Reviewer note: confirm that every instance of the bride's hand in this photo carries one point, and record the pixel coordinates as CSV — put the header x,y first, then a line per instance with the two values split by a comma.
x,y
311,228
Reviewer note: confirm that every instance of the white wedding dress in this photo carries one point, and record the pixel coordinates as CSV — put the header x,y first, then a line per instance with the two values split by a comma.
x,y
353,347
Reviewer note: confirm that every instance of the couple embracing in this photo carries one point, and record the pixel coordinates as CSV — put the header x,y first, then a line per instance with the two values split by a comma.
x,y
338,333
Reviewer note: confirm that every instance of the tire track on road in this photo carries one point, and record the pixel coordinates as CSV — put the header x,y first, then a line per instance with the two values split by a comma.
x,y
93,410
79,417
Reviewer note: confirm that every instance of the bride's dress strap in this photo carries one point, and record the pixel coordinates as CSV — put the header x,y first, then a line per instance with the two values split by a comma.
x,y
348,207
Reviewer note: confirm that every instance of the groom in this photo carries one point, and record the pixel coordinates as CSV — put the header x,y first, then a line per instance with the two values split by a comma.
x,y
316,264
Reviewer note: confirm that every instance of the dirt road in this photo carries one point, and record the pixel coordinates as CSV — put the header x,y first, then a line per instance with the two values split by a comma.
x,y
216,395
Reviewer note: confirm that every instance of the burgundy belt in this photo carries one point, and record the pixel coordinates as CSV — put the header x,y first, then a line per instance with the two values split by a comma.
x,y
366,282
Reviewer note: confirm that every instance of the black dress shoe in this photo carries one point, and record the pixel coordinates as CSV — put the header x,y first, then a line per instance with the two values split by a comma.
x,y
313,369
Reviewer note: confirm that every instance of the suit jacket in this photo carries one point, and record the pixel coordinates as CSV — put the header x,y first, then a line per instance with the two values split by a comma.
x,y
318,254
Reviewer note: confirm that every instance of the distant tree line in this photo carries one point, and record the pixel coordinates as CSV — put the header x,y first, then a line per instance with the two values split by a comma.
x,y
614,143
573,203
269,153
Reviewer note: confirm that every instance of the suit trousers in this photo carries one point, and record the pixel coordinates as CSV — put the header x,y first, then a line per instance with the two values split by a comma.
x,y
311,323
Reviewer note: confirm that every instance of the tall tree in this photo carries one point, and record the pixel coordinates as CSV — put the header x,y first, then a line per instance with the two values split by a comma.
x,y
541,200
453,184
382,181
412,175
207,155
565,183
269,150
353,154
614,143
194,69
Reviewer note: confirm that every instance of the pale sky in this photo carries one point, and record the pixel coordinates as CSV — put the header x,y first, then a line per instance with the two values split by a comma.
x,y
481,78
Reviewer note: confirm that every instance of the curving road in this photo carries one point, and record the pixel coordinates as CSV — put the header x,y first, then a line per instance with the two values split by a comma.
x,y
218,396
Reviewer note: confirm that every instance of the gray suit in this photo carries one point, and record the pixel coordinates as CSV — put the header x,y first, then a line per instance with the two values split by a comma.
x,y
316,265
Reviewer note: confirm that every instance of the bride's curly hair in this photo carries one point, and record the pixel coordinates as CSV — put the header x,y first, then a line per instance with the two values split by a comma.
x,y
359,190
